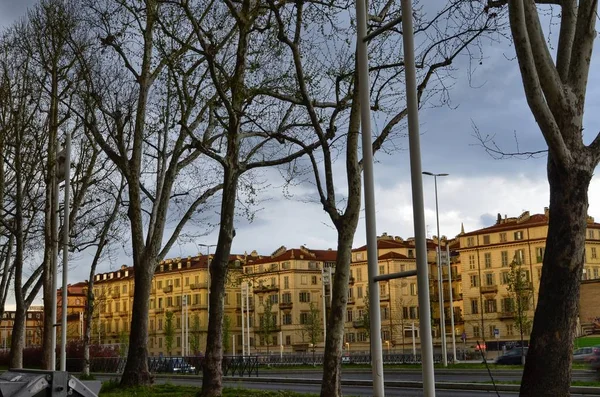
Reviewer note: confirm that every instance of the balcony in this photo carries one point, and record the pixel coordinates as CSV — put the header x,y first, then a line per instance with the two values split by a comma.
x,y
160,310
507,315
108,315
286,305
351,281
358,324
200,306
115,295
167,289
351,300
266,288
489,289
384,297
203,285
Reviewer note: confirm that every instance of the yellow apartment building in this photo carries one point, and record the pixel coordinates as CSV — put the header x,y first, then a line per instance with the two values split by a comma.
x,y
486,255
34,327
76,298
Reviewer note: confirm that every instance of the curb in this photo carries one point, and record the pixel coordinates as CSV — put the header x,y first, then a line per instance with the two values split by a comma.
x,y
583,390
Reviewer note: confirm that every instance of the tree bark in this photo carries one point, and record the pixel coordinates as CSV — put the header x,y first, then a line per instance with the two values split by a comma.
x,y
212,374
548,365
332,370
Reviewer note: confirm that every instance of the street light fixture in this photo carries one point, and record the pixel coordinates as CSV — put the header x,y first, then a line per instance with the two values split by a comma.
x,y
439,268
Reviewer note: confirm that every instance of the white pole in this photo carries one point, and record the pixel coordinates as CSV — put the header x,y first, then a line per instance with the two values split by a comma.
x,y
451,303
248,316
367,149
441,279
324,271
242,307
417,195
182,325
65,280
414,342
280,346
54,269
233,345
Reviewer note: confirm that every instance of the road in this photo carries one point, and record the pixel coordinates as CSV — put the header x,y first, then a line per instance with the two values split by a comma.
x,y
441,375
309,382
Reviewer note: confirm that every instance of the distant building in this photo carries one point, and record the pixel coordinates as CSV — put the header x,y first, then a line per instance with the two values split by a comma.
x,y
486,255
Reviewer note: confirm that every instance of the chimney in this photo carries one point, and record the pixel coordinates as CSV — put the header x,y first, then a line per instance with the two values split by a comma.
x,y
499,219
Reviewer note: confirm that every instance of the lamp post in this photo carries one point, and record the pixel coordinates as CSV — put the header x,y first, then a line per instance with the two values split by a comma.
x,y
439,268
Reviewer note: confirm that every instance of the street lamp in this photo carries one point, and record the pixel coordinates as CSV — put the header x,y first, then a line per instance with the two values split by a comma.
x,y
439,267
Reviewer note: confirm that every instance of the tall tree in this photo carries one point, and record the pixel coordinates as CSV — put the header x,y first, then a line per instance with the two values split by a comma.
x,y
520,291
169,331
333,104
312,326
130,110
555,88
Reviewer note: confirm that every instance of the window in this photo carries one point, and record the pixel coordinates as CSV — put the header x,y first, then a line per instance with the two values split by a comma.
x,y
274,299
591,234
490,305
539,254
539,273
411,254
507,305
160,321
474,306
489,279
472,262
595,272
504,278
520,256
361,336
476,332
350,292
303,280
176,282
594,255
502,237
381,269
159,284
358,274
359,292
385,313
474,281
504,255
349,316
304,296
125,288
492,328
187,281
286,282
414,312
519,235
470,241
488,260
486,239
286,319
303,318
350,337
313,280
413,289
159,342
286,297
288,340
510,330
386,335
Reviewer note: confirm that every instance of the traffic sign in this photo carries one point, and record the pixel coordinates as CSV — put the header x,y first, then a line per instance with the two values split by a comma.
x,y
496,333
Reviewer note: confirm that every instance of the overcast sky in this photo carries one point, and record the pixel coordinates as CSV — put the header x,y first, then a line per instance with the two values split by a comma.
x,y
477,188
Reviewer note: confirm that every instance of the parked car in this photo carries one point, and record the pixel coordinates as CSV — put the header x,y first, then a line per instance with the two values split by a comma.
x,y
583,354
594,360
512,357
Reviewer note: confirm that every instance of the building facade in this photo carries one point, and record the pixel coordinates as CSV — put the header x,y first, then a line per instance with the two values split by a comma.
x,y
490,308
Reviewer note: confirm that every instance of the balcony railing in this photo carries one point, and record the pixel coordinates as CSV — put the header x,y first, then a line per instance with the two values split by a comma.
x,y
202,285
351,300
507,315
384,297
286,305
266,288
489,289
358,323
351,281
115,295
167,289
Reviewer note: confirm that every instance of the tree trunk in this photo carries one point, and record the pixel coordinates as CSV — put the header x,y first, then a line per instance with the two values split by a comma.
x,y
212,373
136,370
547,368
332,371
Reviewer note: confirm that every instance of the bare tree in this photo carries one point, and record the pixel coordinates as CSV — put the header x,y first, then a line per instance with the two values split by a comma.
x,y
332,104
555,89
